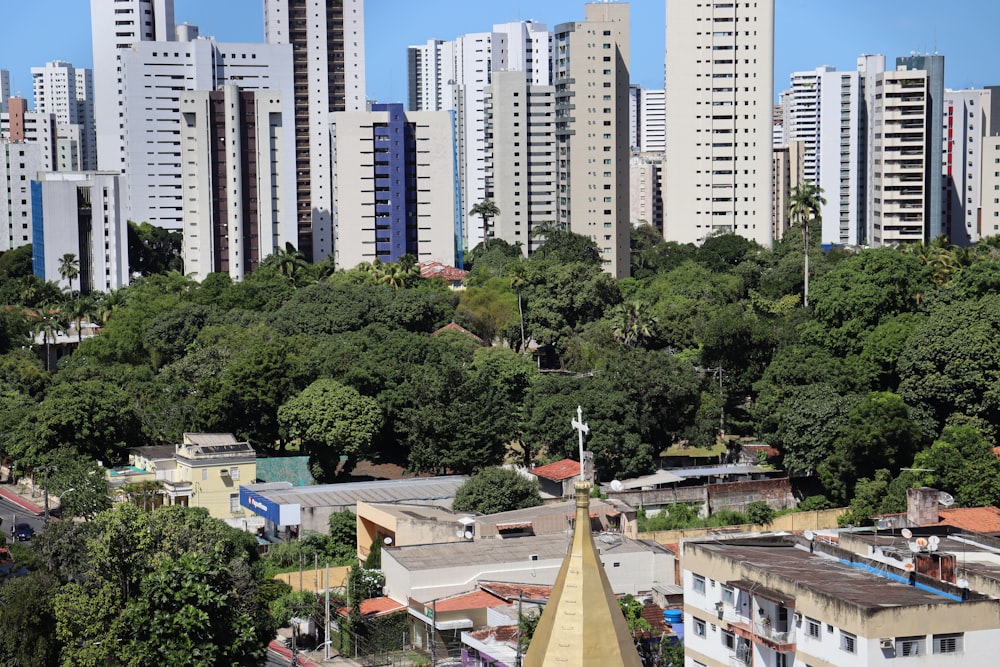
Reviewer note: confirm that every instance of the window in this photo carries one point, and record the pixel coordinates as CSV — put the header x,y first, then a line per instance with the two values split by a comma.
x,y
699,627
812,628
698,583
728,640
848,642
728,595
234,503
948,643
910,646
234,473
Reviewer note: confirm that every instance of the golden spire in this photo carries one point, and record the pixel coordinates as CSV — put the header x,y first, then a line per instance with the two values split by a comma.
x,y
582,624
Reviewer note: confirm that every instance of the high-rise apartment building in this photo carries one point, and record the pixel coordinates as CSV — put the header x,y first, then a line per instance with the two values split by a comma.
x,y
156,75
647,116
328,60
68,93
454,76
20,163
989,214
591,76
719,99
118,25
80,213
933,65
646,189
520,157
788,172
902,162
238,180
965,116
4,89
801,108
409,207
19,124
842,170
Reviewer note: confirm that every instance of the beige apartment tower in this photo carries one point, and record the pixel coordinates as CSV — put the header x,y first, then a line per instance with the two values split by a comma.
x,y
591,74
720,96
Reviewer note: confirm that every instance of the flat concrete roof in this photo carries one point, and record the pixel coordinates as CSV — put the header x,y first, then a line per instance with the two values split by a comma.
x,y
553,546
420,512
567,508
349,493
824,574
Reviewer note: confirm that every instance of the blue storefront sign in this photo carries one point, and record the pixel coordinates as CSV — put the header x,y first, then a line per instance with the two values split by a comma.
x,y
281,514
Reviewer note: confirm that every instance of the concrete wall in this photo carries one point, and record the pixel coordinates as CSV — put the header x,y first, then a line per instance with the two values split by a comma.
x,y
789,522
777,493
315,580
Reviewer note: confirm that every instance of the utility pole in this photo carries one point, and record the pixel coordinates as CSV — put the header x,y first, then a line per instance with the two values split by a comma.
x,y
326,628
434,632
520,619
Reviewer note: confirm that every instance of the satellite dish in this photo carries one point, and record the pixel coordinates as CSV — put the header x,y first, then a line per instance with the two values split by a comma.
x,y
467,535
921,542
616,485
809,535
962,583
914,547
387,541
933,542
906,533
459,533
945,499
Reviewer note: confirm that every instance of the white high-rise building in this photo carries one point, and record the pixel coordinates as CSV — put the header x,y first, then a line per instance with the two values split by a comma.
x,y
68,93
117,25
239,184
454,75
801,107
81,213
591,76
409,205
155,76
520,156
841,151
20,163
328,60
652,121
19,124
719,98
965,121
4,89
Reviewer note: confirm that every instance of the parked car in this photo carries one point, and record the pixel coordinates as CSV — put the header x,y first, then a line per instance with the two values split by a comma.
x,y
23,532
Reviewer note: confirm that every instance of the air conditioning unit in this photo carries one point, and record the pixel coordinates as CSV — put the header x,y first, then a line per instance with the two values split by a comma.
x,y
886,643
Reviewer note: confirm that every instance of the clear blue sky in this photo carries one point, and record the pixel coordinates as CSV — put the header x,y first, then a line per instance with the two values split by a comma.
x,y
808,33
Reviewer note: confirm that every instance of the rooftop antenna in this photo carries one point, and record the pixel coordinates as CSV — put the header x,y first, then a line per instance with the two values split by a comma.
x,y
946,499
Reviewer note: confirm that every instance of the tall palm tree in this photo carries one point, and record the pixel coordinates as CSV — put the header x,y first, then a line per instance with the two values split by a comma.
x,y
69,268
487,210
518,281
804,204
633,324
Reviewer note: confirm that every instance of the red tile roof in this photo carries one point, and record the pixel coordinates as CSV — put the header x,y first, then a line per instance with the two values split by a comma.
x,y
473,600
558,471
975,519
459,328
374,607
439,270
511,592
499,633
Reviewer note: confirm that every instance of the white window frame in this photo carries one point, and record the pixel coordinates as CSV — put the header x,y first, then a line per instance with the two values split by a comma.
x,y
848,642
698,583
728,639
700,627
814,628
728,595
234,503
234,472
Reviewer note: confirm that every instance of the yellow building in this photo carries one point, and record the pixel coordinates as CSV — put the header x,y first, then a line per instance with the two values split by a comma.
x,y
205,470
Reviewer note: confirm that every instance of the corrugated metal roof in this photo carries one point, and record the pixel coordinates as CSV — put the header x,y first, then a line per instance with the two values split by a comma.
x,y
379,491
718,470
210,438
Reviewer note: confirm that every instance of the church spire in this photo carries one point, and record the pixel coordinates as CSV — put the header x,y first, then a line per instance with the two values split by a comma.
x,y
582,624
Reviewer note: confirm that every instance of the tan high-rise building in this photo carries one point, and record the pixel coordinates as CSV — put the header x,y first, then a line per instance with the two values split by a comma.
x,y
788,172
720,96
328,59
591,74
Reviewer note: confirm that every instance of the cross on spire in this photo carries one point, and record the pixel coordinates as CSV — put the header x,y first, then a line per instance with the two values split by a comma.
x,y
581,428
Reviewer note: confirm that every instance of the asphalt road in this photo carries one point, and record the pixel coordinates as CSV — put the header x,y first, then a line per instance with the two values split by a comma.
x,y
9,511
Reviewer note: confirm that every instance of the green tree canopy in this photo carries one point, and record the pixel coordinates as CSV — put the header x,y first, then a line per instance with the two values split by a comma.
x,y
493,490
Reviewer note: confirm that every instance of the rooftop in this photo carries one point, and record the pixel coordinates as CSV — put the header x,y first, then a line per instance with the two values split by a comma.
x,y
558,471
156,452
786,558
349,493
489,552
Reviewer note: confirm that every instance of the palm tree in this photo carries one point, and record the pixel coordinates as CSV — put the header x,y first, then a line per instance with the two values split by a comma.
x,y
487,210
518,281
69,268
632,324
289,262
804,205
48,322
